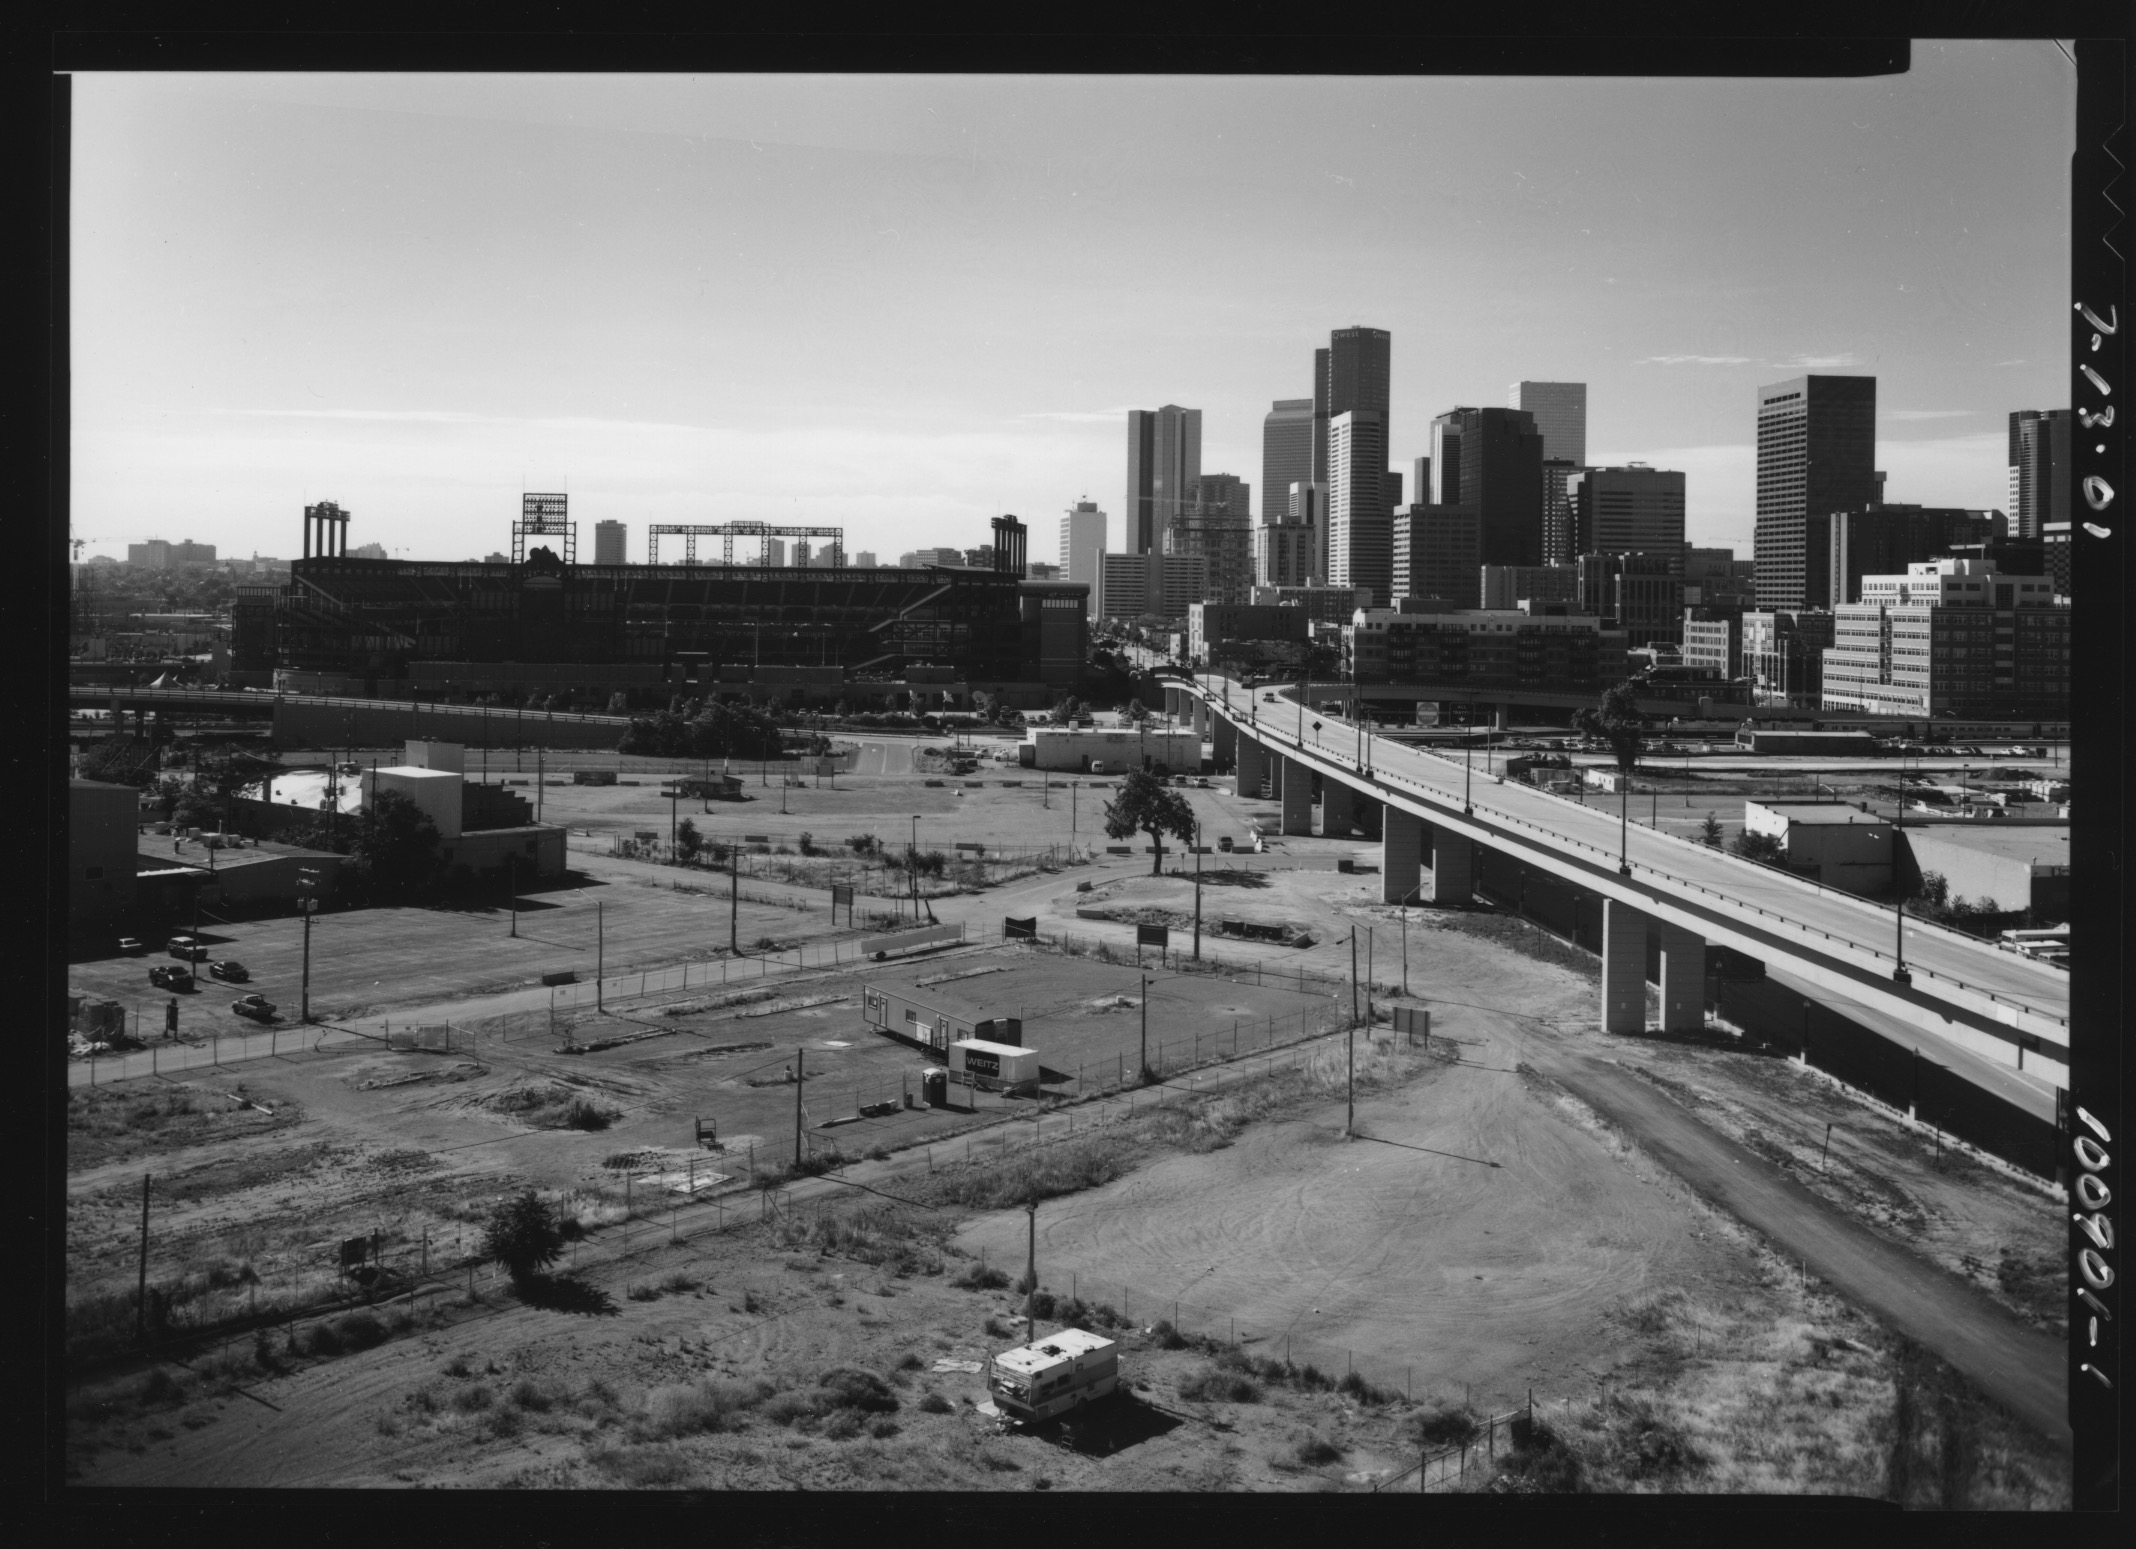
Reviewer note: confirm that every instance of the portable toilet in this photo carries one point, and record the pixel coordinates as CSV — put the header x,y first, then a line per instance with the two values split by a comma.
x,y
934,1087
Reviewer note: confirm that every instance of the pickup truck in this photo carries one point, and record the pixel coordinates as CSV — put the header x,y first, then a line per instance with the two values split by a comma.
x,y
257,1007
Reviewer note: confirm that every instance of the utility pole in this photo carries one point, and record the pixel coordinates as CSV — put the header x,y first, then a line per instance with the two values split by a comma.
x,y
1353,975
141,1288
511,887
734,899
800,1075
1197,889
674,806
600,955
540,781
1145,1027
304,993
1031,1277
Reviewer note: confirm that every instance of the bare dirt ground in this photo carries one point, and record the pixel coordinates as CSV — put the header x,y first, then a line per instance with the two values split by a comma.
x,y
1667,1346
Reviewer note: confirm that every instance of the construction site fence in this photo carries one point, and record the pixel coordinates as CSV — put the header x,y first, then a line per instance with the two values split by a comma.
x,y
666,1196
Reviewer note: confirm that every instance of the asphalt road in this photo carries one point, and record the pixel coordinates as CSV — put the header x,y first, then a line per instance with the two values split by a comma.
x,y
2022,1369
1591,833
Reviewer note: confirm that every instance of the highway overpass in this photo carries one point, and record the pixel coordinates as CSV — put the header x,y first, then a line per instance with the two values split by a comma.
x,y
1435,815
322,720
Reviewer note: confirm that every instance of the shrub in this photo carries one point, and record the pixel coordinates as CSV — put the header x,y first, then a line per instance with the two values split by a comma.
x,y
161,1388
1215,1385
458,1367
842,1426
999,1329
703,1406
679,1280
360,1331
980,1277
1544,1461
585,1115
848,1387
1364,1392
504,1423
1444,1425
323,1339
882,1430
1168,1337
643,1291
529,1394
935,1404
641,1467
1314,1451
473,1400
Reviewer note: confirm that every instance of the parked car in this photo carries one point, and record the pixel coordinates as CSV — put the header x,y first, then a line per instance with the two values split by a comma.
x,y
166,977
257,1007
231,970
186,948
1223,842
1097,766
132,946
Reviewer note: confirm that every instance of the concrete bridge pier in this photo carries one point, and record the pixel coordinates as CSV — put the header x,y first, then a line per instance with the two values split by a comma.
x,y
1297,797
1683,979
1252,765
1624,960
1453,867
1199,710
1227,742
1401,851
1336,803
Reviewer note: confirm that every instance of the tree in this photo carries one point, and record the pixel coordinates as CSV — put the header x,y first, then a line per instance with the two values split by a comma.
x,y
1147,805
524,1236
1068,709
1136,711
395,853
688,841
1616,721
1709,831
1764,848
618,703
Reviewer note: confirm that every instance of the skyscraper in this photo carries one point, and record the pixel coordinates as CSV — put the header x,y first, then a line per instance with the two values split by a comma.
x,y
1559,546
609,542
1437,553
1286,453
1163,458
1885,540
1360,532
1355,371
2039,470
1816,455
1492,461
1630,509
1083,542
1213,523
1560,410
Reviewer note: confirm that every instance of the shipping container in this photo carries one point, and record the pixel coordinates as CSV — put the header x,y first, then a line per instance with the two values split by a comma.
x,y
993,1064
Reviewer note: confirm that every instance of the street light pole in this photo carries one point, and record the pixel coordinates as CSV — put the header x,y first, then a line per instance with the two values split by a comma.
x,y
1197,889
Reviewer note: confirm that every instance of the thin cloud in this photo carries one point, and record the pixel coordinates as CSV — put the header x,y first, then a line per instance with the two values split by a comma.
x,y
1693,360
1813,362
2018,362
1926,414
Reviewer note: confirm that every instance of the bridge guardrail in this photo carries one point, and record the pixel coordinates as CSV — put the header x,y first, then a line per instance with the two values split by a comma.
x,y
1368,770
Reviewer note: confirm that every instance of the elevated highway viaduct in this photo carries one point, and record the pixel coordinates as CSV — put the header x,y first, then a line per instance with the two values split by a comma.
x,y
2008,1014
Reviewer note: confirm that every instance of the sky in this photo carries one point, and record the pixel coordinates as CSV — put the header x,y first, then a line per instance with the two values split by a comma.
x,y
902,304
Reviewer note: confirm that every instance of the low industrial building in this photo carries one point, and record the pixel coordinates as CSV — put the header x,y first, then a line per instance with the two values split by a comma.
x,y
1211,626
1065,748
251,873
2020,865
1849,744
103,822
1841,846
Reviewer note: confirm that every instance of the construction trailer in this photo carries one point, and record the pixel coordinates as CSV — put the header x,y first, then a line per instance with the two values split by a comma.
x,y
1052,1376
935,1019
977,1062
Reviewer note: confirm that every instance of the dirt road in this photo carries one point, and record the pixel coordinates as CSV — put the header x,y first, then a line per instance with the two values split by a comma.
x,y
2019,1367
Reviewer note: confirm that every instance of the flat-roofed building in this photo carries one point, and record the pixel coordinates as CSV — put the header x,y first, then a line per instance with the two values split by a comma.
x,y
1952,635
1438,552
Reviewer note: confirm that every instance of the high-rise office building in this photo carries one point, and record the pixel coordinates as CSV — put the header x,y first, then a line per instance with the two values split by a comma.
x,y
1816,455
1284,554
1354,373
609,542
1359,524
1213,523
1163,459
1641,594
2055,556
774,553
1437,552
865,559
1559,546
1508,586
1492,460
1560,410
1620,510
1286,453
2039,470
1082,542
1884,540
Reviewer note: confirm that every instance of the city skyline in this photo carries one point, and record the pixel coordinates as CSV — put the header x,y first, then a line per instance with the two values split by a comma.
x,y
903,305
